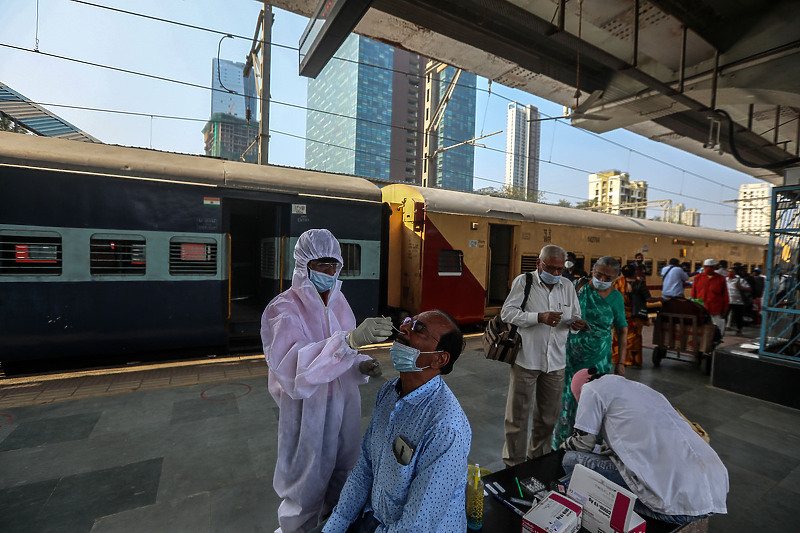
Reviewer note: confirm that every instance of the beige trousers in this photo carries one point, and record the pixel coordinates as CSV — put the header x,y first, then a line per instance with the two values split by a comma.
x,y
547,387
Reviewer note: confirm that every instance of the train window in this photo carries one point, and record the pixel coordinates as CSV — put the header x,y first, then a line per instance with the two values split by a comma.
x,y
660,266
351,254
698,266
450,262
38,253
122,254
529,263
188,256
648,267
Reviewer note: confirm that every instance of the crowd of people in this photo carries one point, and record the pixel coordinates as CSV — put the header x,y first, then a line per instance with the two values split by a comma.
x,y
409,470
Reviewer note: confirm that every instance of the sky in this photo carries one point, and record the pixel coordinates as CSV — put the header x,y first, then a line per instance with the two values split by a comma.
x,y
170,116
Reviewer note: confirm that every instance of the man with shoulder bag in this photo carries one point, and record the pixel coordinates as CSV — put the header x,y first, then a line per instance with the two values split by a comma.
x,y
543,323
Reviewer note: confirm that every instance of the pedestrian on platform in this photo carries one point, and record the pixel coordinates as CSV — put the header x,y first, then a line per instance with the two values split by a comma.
x,y
674,278
311,345
603,308
648,448
412,470
712,289
639,265
739,294
634,295
537,377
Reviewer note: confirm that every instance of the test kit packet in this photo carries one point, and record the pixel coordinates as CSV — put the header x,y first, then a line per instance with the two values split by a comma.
x,y
607,507
556,513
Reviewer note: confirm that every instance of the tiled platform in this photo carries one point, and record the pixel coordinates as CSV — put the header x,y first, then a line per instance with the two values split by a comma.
x,y
191,447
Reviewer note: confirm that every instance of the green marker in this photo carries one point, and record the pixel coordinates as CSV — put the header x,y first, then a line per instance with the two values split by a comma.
x,y
518,487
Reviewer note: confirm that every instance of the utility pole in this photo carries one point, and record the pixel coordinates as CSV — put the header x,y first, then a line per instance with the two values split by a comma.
x,y
433,116
262,66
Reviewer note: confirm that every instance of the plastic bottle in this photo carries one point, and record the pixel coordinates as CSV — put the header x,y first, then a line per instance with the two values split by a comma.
x,y
475,500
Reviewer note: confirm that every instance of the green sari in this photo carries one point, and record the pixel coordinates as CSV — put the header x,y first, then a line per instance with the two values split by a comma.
x,y
586,349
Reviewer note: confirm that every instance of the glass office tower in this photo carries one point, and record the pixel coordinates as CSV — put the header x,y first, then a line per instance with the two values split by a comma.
x,y
382,88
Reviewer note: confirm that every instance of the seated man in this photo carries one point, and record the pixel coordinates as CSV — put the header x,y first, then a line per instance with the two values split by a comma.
x,y
412,470
648,448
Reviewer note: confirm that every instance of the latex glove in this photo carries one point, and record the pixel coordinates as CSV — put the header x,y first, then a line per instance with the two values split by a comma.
x,y
370,368
370,331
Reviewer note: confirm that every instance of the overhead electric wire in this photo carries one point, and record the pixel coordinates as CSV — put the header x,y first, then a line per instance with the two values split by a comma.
x,y
287,134
488,91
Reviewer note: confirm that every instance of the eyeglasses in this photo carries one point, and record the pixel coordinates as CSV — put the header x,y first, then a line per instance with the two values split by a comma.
x,y
551,269
323,266
603,277
418,327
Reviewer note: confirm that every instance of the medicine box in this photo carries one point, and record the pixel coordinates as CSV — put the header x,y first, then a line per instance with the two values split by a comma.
x,y
607,507
556,513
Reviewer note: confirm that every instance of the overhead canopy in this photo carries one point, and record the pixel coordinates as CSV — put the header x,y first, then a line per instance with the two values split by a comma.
x,y
739,56
37,119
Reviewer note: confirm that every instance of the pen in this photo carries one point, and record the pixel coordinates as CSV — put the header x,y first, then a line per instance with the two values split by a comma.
x,y
518,487
504,502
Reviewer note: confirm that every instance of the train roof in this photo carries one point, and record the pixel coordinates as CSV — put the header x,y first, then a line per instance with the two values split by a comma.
x,y
49,153
464,203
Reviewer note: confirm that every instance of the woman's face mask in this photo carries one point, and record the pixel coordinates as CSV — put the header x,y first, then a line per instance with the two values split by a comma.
x,y
601,285
404,358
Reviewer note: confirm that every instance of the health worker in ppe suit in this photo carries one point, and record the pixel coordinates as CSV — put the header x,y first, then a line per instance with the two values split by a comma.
x,y
311,345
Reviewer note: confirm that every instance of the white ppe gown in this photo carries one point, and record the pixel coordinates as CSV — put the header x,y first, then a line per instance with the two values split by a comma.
x,y
314,378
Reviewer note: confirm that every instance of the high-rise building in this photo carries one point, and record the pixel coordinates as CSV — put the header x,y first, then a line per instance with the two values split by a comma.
x,y
228,133
614,192
753,210
522,149
454,168
678,214
365,116
690,217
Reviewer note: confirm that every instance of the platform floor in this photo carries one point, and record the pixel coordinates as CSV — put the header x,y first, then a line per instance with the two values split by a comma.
x,y
191,447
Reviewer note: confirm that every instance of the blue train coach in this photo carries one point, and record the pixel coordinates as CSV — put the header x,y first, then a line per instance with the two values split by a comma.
x,y
113,250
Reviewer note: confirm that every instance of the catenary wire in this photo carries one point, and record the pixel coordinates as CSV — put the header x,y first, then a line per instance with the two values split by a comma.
x,y
488,91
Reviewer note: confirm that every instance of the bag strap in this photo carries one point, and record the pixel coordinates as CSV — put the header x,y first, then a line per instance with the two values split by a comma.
x,y
528,283
581,282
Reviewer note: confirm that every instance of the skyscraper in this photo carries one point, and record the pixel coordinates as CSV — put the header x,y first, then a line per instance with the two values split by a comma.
x,y
228,133
454,168
365,115
522,149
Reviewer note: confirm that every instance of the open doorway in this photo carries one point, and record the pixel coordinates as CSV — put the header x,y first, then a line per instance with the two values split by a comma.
x,y
500,250
250,225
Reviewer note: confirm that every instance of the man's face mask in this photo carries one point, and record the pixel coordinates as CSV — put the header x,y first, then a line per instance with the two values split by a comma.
x,y
404,358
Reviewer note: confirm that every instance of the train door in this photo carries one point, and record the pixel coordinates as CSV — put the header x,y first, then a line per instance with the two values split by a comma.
x,y
500,259
252,227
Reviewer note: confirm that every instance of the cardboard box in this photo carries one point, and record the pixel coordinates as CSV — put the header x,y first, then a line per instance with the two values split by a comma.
x,y
607,507
554,514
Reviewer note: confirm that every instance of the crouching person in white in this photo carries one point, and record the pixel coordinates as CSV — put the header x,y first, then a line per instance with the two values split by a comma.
x,y
647,448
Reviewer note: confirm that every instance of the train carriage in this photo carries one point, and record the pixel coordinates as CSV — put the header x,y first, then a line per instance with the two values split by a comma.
x,y
460,252
110,250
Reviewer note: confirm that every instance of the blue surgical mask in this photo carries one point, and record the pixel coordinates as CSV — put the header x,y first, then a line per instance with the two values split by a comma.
x,y
404,358
322,281
601,285
548,278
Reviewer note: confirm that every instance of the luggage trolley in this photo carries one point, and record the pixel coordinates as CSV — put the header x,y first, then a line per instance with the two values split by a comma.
x,y
684,327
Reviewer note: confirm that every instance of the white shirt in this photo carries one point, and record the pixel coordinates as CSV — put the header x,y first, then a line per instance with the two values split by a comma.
x,y
735,286
543,346
661,458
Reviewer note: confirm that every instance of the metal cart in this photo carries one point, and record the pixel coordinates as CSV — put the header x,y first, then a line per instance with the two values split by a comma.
x,y
685,328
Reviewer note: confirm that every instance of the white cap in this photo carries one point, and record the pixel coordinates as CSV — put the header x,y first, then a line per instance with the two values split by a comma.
x,y
710,262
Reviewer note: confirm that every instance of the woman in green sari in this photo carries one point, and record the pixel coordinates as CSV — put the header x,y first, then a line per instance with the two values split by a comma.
x,y
603,307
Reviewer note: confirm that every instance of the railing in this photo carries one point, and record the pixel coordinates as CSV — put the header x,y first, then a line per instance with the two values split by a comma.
x,y
780,326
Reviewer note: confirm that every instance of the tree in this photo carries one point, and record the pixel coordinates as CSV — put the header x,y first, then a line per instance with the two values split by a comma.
x,y
564,203
587,204
6,124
